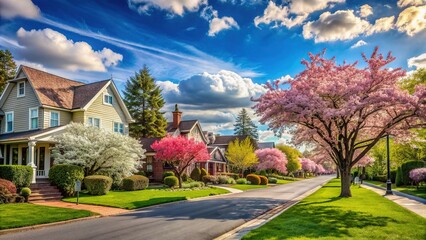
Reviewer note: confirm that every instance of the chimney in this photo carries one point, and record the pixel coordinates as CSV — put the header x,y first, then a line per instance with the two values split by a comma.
x,y
177,116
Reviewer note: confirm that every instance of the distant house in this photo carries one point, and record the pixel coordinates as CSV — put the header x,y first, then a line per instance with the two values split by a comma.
x,y
262,145
37,105
191,129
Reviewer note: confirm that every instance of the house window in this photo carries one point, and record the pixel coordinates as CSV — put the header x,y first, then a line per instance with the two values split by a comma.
x,y
21,89
33,118
94,122
9,122
118,128
54,119
107,99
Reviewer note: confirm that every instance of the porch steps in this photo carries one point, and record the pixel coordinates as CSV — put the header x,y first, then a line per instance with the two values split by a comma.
x,y
42,191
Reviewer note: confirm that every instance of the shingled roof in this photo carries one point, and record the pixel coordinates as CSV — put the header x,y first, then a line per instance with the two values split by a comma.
x,y
184,126
56,91
147,142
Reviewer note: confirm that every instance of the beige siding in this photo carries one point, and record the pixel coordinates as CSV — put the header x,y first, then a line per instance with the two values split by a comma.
x,y
107,113
65,117
78,117
20,107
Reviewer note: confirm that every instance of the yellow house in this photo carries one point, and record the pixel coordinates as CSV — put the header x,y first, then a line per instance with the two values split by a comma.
x,y
37,105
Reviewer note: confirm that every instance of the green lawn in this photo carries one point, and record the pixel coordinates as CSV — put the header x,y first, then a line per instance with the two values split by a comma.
x,y
144,198
282,181
412,190
24,214
245,187
322,215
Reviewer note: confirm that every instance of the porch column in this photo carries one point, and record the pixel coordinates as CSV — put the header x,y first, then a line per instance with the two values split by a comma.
x,y
207,166
31,158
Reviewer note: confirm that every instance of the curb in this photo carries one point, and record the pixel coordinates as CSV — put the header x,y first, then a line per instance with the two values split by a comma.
x,y
398,193
239,232
38,226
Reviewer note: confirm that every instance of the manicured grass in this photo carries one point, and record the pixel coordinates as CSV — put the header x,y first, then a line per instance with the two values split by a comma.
x,y
24,214
323,215
412,190
144,198
245,187
282,181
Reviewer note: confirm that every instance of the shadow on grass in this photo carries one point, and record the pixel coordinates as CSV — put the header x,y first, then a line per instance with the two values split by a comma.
x,y
317,222
154,201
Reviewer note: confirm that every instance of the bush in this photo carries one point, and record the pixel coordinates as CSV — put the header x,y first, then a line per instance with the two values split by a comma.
x,y
185,177
380,178
196,184
135,182
272,180
20,175
168,174
263,180
407,167
210,179
253,179
5,195
393,176
222,179
231,181
64,177
235,176
241,181
196,174
262,173
171,181
98,184
25,192
398,179
11,188
203,173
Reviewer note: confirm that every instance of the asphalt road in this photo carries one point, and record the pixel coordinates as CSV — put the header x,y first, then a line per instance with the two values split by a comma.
x,y
186,220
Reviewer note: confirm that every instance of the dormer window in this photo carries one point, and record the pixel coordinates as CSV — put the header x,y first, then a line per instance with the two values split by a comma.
x,y
21,89
107,99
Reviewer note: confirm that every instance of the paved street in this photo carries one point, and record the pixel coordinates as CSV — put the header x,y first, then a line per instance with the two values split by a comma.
x,y
188,220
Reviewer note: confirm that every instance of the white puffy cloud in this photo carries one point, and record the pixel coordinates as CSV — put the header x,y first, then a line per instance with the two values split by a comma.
x,y
217,25
412,20
278,15
310,6
359,44
366,10
405,3
418,62
381,25
52,49
18,8
341,25
175,7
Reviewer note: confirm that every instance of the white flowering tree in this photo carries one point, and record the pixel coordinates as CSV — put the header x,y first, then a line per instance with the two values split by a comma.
x,y
98,151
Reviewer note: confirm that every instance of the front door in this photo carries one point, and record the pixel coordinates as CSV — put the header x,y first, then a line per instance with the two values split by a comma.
x,y
41,161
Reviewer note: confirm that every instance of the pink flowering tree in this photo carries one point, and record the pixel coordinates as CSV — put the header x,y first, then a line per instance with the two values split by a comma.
x,y
308,166
418,175
271,158
180,152
343,108
319,169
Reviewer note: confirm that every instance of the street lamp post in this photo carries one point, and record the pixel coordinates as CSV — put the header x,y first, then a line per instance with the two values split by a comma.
x,y
388,182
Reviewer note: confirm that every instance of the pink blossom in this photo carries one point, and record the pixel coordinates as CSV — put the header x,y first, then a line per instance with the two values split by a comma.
x,y
271,158
308,165
418,175
365,161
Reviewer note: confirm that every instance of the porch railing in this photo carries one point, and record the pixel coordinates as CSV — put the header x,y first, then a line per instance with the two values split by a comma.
x,y
41,173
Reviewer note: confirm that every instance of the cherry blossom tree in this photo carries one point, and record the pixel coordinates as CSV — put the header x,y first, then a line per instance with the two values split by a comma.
x,y
418,175
344,108
271,158
308,166
180,152
319,169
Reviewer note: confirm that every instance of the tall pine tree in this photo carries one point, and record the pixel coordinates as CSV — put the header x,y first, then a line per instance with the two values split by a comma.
x,y
144,100
244,126
7,68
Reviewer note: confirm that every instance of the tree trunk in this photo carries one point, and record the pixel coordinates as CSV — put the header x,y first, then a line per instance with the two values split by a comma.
x,y
179,179
338,172
345,190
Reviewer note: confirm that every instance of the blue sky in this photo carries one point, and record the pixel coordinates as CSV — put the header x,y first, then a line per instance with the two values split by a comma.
x,y
209,56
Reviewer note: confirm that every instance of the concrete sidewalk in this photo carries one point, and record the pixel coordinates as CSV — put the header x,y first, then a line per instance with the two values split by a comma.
x,y
410,204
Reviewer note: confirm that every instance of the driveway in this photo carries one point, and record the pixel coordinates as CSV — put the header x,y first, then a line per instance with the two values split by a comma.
x,y
186,220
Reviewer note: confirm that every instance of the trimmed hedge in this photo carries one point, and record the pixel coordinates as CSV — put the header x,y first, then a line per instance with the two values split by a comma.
x,y
253,179
222,179
98,184
171,181
184,177
407,167
241,181
64,177
263,180
210,179
135,182
168,174
203,173
196,174
235,176
398,179
380,178
262,173
20,175
11,188
272,180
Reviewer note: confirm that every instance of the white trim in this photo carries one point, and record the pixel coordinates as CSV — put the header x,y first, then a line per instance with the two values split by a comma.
x,y
59,119
93,122
118,127
18,88
29,118
13,121
109,97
